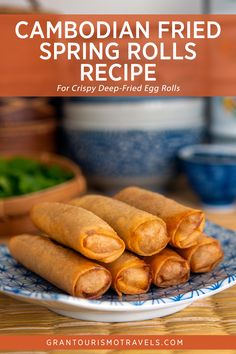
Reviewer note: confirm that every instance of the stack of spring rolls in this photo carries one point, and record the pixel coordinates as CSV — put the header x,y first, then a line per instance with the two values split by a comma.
x,y
126,242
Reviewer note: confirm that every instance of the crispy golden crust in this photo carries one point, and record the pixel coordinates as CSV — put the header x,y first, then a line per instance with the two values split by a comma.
x,y
79,229
143,233
168,268
130,275
184,225
204,256
62,267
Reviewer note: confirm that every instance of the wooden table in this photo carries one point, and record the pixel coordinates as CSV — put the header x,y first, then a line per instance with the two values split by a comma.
x,y
215,315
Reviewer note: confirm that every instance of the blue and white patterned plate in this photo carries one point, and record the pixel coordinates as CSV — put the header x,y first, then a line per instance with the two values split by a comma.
x,y
22,284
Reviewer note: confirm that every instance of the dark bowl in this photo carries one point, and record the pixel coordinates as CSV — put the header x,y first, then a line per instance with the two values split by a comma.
x,y
211,171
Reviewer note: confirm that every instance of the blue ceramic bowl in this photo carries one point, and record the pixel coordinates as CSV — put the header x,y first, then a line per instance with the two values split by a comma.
x,y
211,171
118,144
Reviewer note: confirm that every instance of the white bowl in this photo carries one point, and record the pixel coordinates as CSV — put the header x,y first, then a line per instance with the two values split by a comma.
x,y
119,142
161,114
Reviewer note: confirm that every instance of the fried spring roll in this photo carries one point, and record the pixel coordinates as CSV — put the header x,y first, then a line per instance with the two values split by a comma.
x,y
204,256
184,225
79,229
168,268
143,233
62,267
130,275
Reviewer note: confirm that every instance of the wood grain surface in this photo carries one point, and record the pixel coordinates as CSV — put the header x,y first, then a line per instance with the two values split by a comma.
x,y
214,315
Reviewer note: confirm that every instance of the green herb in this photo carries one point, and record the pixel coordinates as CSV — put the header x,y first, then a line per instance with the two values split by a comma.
x,y
21,175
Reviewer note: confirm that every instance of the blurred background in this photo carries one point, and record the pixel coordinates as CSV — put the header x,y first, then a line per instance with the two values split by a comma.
x,y
116,7
119,141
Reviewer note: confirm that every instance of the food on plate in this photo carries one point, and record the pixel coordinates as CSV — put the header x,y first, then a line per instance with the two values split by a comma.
x,y
204,256
130,275
168,268
62,267
143,233
21,175
184,224
78,229
100,228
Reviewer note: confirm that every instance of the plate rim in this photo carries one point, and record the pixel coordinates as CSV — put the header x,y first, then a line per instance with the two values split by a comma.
x,y
123,305
120,306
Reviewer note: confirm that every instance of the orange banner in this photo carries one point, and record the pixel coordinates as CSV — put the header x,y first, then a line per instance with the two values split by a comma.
x,y
117,55
128,342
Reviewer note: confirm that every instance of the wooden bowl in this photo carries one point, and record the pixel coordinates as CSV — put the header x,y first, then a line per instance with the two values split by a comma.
x,y
27,126
29,137
19,111
14,211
